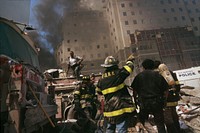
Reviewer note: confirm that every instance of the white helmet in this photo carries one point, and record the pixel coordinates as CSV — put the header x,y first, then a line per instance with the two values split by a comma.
x,y
110,61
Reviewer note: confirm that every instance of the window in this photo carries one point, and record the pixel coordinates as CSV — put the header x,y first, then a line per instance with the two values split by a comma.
x,y
126,22
122,5
197,10
98,46
132,13
195,28
131,4
177,1
124,14
169,1
175,18
192,19
68,49
194,2
128,31
167,19
105,46
180,9
134,21
183,17
161,2
172,9
186,2
164,10
140,12
142,21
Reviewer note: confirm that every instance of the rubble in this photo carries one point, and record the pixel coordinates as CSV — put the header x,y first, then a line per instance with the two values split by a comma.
x,y
188,109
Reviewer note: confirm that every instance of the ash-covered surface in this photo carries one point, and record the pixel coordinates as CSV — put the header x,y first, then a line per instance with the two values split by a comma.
x,y
189,109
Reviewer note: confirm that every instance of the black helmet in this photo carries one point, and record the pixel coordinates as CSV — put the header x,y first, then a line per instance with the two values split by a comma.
x,y
110,61
86,78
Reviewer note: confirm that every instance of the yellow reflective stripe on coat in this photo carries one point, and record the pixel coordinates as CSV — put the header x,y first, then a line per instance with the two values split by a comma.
x,y
128,69
119,112
113,89
177,82
86,96
77,92
172,104
98,89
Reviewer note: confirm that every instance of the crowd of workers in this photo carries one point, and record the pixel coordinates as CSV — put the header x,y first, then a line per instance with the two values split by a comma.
x,y
151,91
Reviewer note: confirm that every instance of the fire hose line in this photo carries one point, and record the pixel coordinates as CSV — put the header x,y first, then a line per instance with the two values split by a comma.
x,y
52,124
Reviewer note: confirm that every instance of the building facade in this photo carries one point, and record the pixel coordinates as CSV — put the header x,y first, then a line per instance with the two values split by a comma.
x,y
177,47
86,33
126,17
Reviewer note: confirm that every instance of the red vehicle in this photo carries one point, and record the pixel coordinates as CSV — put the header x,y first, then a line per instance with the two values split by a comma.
x,y
25,106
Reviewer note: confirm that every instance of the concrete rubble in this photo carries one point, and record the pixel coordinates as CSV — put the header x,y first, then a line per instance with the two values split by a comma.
x,y
189,109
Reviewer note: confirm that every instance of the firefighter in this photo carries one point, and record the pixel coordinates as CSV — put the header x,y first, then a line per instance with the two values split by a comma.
x,y
75,63
170,114
85,101
151,89
118,104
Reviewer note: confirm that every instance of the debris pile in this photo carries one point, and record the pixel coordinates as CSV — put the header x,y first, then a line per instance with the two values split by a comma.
x,y
189,109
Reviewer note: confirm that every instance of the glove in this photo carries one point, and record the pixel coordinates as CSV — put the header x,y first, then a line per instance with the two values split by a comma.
x,y
140,128
131,58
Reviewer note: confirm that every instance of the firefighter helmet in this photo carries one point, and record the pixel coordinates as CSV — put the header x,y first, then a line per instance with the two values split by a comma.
x,y
86,78
110,61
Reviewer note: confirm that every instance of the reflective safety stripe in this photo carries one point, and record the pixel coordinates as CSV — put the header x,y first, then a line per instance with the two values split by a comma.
x,y
98,89
86,96
119,112
172,104
113,89
172,89
128,68
77,92
129,62
176,82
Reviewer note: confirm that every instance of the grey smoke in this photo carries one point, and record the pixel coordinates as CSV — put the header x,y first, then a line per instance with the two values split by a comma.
x,y
52,18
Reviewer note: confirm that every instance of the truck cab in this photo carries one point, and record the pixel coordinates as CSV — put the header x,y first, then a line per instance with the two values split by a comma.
x,y
26,106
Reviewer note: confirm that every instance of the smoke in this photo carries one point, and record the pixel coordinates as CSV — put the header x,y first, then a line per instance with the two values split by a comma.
x,y
52,17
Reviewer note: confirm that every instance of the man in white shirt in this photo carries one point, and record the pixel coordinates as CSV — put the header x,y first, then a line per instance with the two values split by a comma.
x,y
74,62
